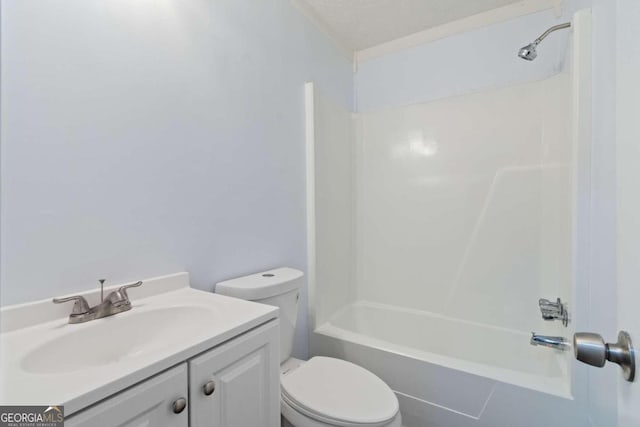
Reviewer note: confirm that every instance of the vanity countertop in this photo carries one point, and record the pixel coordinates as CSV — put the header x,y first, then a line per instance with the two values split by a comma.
x,y
46,361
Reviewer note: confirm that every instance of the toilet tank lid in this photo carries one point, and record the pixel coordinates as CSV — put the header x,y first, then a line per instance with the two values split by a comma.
x,y
262,285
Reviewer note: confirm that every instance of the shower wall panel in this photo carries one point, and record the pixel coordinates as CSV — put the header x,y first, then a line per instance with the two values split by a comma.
x,y
330,155
464,204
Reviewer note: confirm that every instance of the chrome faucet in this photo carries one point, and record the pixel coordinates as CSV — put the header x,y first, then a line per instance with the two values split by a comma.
x,y
116,302
554,310
547,341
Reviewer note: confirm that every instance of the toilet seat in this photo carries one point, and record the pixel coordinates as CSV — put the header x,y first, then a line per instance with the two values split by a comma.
x,y
339,393
293,418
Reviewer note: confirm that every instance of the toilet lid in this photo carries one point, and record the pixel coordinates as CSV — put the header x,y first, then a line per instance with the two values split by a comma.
x,y
325,388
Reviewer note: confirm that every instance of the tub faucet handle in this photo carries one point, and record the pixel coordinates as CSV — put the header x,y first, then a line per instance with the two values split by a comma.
x,y
554,310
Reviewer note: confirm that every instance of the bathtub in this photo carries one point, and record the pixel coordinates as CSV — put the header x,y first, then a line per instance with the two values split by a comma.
x,y
450,372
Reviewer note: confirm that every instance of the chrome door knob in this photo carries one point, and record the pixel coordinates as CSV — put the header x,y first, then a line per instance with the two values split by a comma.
x,y
209,388
179,405
591,349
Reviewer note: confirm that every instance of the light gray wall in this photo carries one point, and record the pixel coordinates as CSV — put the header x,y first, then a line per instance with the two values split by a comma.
x,y
147,137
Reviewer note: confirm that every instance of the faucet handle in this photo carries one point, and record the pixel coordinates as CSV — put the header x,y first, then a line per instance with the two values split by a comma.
x,y
123,289
550,306
81,305
554,310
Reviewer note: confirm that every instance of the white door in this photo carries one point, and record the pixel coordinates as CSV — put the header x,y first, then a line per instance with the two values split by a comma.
x,y
615,304
238,384
628,193
155,402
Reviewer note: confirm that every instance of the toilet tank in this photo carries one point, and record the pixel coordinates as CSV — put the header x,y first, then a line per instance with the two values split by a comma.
x,y
279,287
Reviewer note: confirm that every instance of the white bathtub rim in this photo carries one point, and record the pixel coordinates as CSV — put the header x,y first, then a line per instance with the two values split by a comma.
x,y
415,311
553,386
559,386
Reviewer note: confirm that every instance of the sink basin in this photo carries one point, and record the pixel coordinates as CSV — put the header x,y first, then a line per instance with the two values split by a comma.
x,y
112,339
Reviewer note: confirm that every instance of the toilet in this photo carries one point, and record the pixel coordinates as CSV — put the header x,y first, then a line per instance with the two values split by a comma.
x,y
323,391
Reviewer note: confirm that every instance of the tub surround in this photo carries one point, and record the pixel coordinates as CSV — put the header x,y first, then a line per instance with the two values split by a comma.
x,y
463,213
169,323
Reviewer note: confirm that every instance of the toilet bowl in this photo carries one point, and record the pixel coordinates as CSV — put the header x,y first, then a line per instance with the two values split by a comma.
x,y
323,391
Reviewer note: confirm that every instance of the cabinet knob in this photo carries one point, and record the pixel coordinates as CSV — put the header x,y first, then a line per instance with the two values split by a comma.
x,y
209,388
179,405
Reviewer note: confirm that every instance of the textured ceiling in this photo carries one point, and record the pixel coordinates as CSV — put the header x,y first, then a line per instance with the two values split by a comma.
x,y
360,24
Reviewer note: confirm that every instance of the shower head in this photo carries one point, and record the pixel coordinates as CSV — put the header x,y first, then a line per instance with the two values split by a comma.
x,y
529,51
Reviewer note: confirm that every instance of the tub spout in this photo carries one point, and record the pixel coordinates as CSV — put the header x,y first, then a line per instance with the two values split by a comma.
x,y
547,341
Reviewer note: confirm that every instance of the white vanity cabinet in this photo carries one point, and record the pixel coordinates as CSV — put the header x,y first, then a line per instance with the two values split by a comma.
x,y
236,384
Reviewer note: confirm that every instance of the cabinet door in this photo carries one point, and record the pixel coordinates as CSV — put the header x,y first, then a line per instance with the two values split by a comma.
x,y
148,404
245,375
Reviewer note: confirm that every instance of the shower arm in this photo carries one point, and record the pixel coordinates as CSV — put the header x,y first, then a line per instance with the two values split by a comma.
x,y
551,30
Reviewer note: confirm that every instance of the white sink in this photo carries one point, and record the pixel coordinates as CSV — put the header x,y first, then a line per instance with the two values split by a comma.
x,y
112,339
